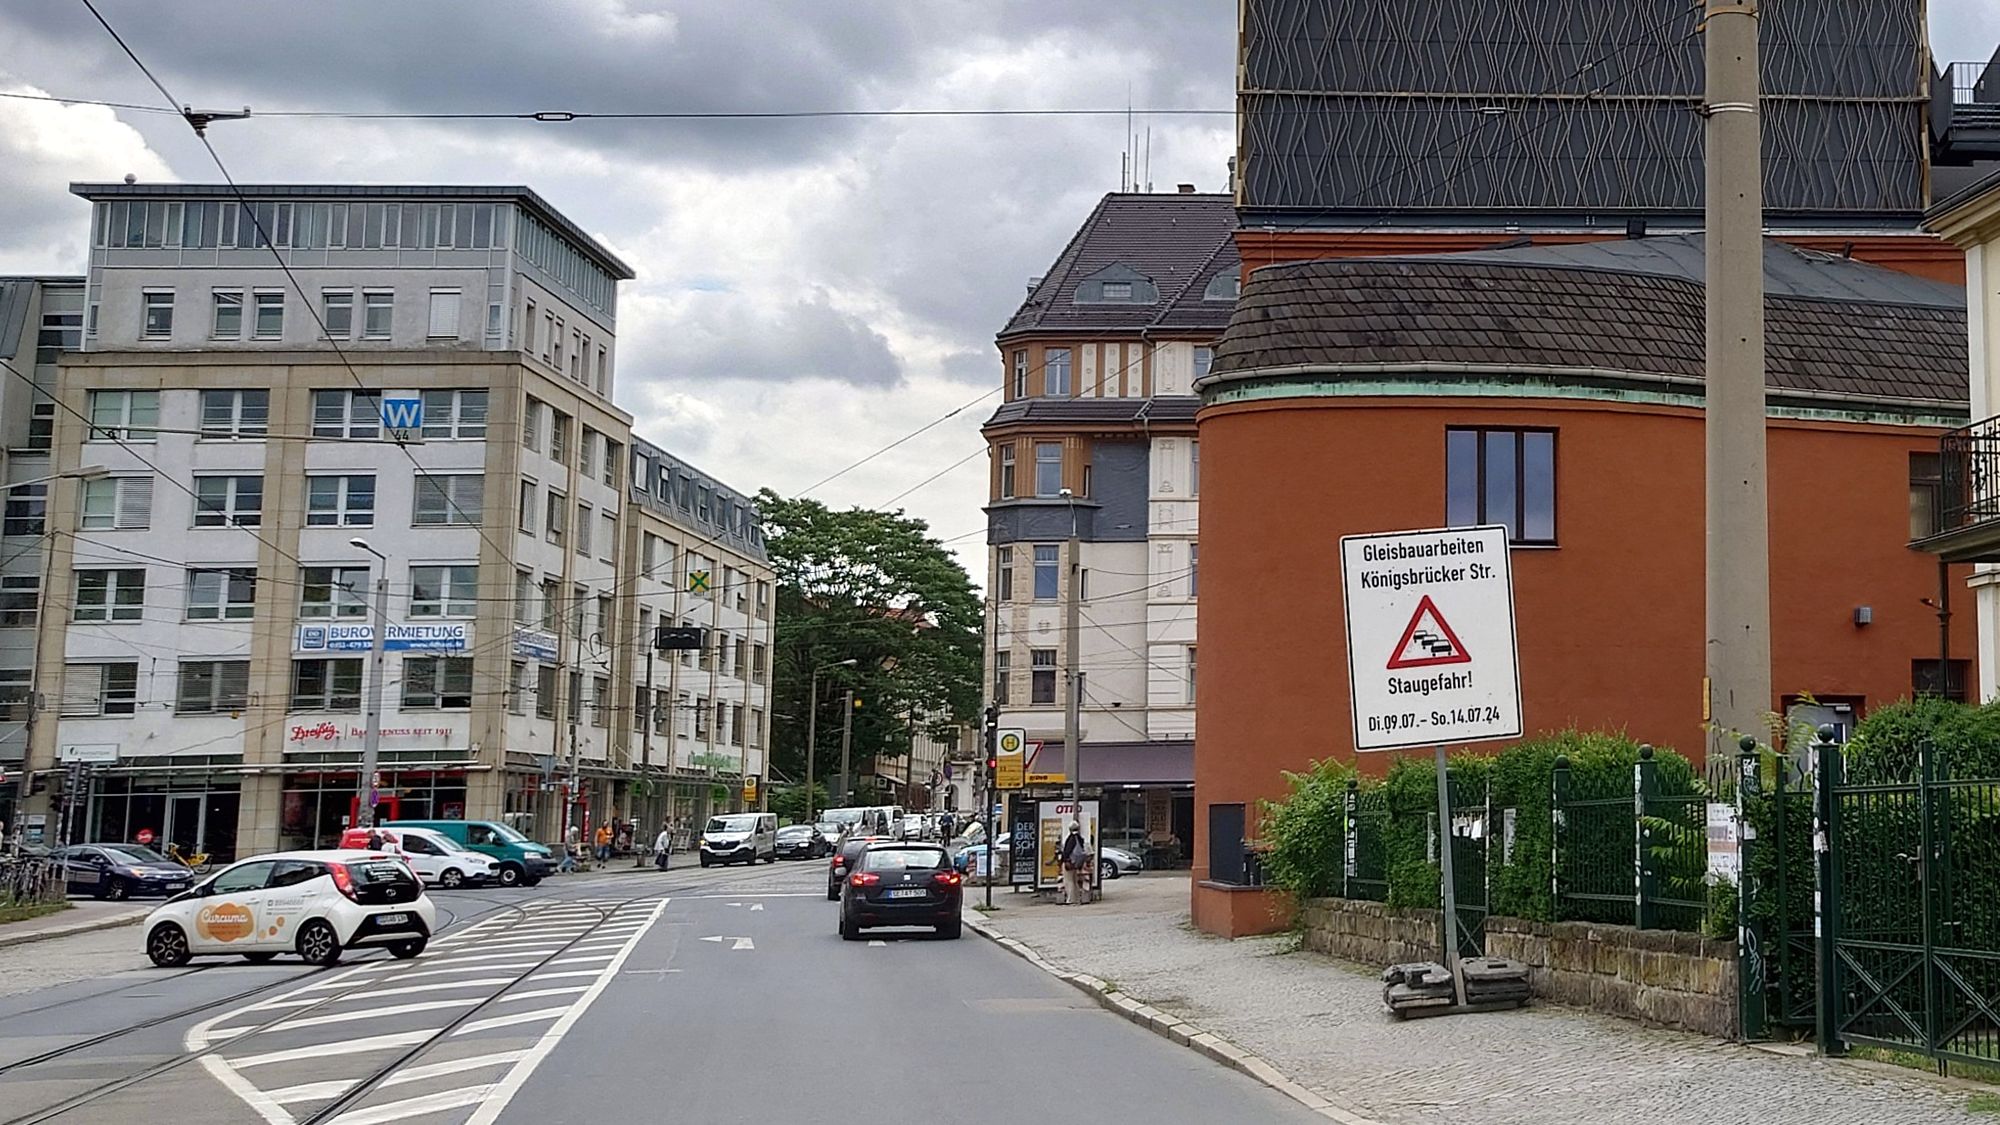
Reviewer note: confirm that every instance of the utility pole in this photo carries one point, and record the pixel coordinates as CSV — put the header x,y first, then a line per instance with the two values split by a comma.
x,y
1072,613
812,728
1737,693
846,746
371,744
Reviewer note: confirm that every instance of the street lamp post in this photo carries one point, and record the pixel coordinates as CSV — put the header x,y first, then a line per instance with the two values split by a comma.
x,y
371,745
812,729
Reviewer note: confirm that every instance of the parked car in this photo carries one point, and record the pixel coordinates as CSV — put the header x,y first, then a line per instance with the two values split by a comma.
x,y
317,904
438,860
1113,862
901,884
740,837
802,841
843,862
119,871
522,861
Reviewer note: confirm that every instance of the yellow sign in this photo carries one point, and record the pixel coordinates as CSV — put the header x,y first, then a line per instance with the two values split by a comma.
x,y
1008,766
750,787
697,582
1047,778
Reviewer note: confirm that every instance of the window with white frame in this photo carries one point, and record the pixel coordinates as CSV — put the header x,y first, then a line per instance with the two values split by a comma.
x,y
27,510
124,415
117,504
555,521
1194,569
333,591
1190,674
1007,471
1048,468
586,452
1204,359
20,600
559,437
233,414
545,691
209,687
444,591
157,314
229,501
92,690
585,517
340,500
270,310
607,547
437,683
452,499
1055,372
518,687
454,415
736,724
531,424
525,519
1194,468
444,314
551,605
524,599
110,595
326,684
221,593
1048,562
601,703
1020,373
347,414
1042,675
1003,670
226,323
336,313
614,456
378,313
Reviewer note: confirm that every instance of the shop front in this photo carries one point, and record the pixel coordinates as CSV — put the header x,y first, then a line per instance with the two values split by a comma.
x,y
316,807
194,812
1147,795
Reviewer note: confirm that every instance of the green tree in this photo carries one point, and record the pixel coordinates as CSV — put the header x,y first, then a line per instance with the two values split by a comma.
x,y
877,588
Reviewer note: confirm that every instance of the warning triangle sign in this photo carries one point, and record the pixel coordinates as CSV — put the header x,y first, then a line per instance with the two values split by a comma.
x,y
1428,641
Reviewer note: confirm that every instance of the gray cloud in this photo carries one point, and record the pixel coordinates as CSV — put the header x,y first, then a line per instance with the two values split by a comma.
x,y
730,336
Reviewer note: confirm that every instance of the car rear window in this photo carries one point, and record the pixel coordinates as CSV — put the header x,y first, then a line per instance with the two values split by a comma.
x,y
369,872
903,859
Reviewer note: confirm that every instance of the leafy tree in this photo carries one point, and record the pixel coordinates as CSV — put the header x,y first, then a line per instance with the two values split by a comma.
x,y
877,588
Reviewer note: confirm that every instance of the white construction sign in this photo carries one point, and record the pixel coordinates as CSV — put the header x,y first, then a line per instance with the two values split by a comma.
x,y
1430,637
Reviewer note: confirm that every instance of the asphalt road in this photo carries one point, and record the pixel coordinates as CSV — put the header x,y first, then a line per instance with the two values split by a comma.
x,y
719,995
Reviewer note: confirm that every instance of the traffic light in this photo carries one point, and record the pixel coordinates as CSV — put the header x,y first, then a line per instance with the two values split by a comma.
x,y
992,740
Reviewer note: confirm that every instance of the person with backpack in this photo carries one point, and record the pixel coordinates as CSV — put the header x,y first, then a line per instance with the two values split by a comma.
x,y
1075,858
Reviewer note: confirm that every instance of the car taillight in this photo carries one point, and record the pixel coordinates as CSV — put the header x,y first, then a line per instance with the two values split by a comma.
x,y
343,879
837,863
948,878
863,879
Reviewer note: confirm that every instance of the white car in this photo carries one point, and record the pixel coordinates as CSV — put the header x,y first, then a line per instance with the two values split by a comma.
x,y
316,904
441,861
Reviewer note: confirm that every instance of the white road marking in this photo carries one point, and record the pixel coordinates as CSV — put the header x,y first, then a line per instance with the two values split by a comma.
x,y
374,1013
273,1005
539,977
509,1021
744,943
413,1107
453,1066
763,894
876,944
510,955
503,1092
756,906
310,1092
530,962
337,1047
581,960
534,993
446,986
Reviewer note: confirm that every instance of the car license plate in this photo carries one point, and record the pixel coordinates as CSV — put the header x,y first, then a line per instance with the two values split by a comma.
x,y
391,919
909,892
176,886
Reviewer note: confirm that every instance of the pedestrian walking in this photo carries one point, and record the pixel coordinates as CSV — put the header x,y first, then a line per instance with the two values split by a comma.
x,y
662,844
1075,858
571,847
374,839
603,844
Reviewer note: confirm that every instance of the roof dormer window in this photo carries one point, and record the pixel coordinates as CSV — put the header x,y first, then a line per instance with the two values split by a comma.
x,y
1223,287
1116,284
1117,290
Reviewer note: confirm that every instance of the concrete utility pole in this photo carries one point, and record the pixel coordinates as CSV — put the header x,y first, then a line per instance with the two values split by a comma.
x,y
812,729
1072,613
371,744
1738,689
846,744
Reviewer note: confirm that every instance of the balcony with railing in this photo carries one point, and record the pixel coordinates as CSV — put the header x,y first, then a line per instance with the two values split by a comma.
x,y
1963,499
1965,112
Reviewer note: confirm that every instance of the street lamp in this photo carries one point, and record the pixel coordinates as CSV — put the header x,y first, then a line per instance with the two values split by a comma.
x,y
87,472
812,729
371,745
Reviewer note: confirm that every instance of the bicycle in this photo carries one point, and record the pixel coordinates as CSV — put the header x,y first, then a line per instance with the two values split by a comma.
x,y
197,862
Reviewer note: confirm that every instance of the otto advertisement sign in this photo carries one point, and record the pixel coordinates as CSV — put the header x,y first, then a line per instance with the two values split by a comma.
x,y
431,636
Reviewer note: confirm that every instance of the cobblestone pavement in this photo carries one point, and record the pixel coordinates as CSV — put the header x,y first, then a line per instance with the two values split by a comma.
x,y
65,960
1320,1022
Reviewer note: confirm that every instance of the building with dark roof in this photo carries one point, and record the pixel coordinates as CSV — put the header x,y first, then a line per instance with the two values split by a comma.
x,y
1099,365
1558,390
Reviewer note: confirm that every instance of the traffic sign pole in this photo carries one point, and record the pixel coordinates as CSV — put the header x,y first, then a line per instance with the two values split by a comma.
x,y
1450,887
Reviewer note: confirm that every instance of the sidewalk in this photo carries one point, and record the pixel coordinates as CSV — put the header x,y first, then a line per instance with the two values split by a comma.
x,y
82,917
1320,1022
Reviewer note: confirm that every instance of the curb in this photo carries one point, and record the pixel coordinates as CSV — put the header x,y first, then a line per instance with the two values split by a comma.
x,y
1169,1026
71,930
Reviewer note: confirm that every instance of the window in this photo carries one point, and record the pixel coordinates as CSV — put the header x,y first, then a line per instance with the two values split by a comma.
x,y
224,593
1003,669
378,309
1926,495
741,665
549,333
603,372
111,595
336,311
575,355
545,691
228,501
444,591
454,415
1502,477
230,414
16,694
528,337
333,591
1048,468
1047,559
444,314
763,600
209,687
1190,678
448,500
42,425
1007,471
326,685
759,654
1204,360
600,701
124,415
1042,675
584,512
556,517
1924,679
613,457
526,516
517,687
20,600
27,510
559,437
157,312
1020,373
270,316
608,545
228,319
1194,570
347,414
90,690
586,451
1117,290
531,425
687,655
551,605
736,724
701,713
433,683
663,710
756,726
604,617
117,503
1194,468
1222,287
340,501
1003,567
556,341
524,599
1055,372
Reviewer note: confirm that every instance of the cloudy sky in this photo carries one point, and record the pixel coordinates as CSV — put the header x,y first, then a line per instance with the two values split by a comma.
x,y
809,290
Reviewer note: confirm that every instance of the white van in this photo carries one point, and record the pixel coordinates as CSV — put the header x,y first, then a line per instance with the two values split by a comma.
x,y
740,837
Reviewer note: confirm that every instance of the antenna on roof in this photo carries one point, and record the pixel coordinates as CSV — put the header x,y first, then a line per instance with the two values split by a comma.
x,y
1149,158
1129,182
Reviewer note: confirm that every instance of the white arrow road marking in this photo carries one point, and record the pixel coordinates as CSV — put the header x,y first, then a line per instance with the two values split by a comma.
x,y
744,943
735,942
756,906
877,944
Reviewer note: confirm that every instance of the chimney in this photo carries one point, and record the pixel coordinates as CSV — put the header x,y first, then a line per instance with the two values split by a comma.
x,y
1185,189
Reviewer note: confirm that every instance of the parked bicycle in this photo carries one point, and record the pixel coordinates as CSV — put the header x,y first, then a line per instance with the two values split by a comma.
x,y
196,862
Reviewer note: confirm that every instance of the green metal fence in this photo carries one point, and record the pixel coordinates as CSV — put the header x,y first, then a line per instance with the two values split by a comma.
x,y
1596,838
1631,849
1367,870
1777,943
1470,830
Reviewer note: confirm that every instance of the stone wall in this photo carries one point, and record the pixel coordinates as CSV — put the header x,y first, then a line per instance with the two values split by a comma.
x,y
1663,978
1369,933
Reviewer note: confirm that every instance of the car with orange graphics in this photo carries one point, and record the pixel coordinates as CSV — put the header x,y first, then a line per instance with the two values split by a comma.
x,y
316,904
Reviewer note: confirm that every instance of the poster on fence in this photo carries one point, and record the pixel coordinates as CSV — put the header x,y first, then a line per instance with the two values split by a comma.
x,y
1721,842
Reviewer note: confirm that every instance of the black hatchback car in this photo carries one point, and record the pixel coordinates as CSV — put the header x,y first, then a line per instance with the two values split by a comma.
x,y
899,884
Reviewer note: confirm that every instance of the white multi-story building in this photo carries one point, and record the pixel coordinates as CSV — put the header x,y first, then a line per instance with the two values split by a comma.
x,y
1099,364
228,498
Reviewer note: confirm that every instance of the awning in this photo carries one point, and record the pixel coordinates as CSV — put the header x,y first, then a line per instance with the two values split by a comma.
x,y
1137,763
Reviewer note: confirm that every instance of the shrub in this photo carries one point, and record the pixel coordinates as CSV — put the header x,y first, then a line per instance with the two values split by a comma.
x,y
1305,834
